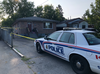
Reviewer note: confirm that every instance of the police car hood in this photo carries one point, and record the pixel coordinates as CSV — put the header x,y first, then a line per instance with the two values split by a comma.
x,y
40,39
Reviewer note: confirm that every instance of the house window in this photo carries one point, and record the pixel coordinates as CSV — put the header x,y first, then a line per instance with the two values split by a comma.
x,y
47,25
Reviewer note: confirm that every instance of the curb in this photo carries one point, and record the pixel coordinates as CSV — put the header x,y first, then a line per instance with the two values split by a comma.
x,y
18,52
21,55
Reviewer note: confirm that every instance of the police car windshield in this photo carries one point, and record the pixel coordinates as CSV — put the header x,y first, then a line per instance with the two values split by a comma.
x,y
92,38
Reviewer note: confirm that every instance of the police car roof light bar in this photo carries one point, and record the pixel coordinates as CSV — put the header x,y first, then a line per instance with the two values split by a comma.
x,y
70,28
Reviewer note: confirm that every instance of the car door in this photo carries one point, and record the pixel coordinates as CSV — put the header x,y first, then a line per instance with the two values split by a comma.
x,y
50,43
67,41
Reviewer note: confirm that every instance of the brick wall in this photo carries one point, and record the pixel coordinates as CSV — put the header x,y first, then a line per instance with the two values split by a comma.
x,y
39,25
22,26
41,30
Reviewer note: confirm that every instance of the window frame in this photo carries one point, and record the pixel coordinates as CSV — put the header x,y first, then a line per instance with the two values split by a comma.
x,y
87,39
57,38
49,24
69,37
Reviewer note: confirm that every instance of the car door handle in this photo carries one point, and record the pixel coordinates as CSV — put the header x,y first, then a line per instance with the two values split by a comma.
x,y
69,47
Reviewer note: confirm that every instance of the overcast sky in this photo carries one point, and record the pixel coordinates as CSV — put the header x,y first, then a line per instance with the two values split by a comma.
x,y
71,8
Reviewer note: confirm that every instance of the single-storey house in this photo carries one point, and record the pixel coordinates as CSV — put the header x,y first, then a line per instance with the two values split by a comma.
x,y
75,23
40,26
26,26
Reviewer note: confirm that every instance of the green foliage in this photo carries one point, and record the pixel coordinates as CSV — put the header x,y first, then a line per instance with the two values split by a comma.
x,y
26,9
59,14
10,6
2,12
7,22
54,14
39,11
10,20
48,12
93,16
25,58
35,73
16,9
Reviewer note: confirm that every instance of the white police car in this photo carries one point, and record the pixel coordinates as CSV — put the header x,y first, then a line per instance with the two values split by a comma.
x,y
80,47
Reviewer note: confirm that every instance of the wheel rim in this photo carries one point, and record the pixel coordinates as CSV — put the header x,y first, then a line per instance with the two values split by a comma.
x,y
78,65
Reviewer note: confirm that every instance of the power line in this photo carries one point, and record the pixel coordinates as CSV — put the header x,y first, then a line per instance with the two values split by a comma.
x,y
43,3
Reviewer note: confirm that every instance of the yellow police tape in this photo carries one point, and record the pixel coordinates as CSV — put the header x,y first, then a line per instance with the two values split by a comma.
x,y
6,27
23,36
17,34
12,28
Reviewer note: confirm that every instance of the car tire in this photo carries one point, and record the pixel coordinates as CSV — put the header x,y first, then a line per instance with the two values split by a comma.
x,y
79,65
38,48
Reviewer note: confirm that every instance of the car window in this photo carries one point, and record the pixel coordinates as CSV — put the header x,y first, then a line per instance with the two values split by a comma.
x,y
54,36
71,40
65,37
92,38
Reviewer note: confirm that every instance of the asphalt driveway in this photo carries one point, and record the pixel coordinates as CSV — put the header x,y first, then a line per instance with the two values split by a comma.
x,y
41,63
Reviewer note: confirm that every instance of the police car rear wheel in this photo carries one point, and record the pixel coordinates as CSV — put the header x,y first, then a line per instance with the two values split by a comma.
x,y
79,65
38,48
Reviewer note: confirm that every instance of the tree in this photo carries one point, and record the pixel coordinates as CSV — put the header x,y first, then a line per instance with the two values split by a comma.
x,y
60,9
9,6
39,11
93,16
2,11
48,12
9,20
16,9
54,14
87,17
59,13
26,9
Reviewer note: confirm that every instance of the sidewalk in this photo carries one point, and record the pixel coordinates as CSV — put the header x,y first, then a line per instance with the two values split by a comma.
x,y
10,62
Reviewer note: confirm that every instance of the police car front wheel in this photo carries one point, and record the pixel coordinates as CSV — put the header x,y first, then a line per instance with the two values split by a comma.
x,y
38,48
79,65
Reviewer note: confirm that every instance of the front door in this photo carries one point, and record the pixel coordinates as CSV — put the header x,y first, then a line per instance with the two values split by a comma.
x,y
30,27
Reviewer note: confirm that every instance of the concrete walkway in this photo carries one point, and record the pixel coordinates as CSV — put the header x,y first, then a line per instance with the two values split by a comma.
x,y
10,62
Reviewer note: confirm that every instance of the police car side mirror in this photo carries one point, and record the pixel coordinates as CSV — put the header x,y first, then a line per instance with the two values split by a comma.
x,y
45,37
